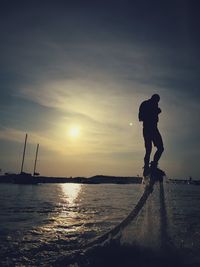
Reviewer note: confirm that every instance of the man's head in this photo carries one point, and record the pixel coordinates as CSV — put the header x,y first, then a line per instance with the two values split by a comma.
x,y
155,98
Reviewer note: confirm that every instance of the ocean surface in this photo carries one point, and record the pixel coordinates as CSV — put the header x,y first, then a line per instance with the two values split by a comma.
x,y
49,224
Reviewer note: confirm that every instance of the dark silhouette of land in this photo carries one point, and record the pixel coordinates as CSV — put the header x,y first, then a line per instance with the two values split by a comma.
x,y
25,178
98,179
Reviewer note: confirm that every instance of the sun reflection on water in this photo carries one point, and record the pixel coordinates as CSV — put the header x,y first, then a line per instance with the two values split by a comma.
x,y
64,217
70,192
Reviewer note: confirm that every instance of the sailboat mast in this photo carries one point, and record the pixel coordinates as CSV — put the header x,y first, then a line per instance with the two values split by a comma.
x,y
24,153
35,159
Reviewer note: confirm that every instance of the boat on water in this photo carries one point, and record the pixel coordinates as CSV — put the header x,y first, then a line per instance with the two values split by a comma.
x,y
22,177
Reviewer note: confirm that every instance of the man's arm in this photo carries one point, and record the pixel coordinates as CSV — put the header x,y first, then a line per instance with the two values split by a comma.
x,y
141,112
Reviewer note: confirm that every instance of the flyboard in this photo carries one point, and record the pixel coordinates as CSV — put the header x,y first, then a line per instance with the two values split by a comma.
x,y
155,175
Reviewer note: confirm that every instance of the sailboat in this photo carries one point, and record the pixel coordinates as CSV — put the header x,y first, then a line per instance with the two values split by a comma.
x,y
23,177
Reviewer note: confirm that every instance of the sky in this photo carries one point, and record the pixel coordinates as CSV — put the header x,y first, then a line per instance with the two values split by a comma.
x,y
74,73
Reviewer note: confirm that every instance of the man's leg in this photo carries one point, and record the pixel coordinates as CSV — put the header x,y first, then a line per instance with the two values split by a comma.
x,y
158,143
148,148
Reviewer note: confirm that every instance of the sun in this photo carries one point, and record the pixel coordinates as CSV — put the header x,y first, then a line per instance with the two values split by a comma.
x,y
74,131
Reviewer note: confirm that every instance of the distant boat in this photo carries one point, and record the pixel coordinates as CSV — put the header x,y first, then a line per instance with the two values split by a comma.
x,y
22,177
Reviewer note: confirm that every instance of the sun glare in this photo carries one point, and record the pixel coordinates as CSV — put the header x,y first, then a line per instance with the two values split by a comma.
x,y
74,131
70,192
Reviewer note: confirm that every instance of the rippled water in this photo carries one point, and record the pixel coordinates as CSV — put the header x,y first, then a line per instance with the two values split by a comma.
x,y
41,223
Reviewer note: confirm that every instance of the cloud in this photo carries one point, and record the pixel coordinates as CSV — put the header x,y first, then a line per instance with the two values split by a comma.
x,y
15,135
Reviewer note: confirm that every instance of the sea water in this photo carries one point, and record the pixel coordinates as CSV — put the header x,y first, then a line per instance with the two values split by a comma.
x,y
39,224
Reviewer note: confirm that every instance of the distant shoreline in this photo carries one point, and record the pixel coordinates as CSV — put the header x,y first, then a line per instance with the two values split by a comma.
x,y
98,179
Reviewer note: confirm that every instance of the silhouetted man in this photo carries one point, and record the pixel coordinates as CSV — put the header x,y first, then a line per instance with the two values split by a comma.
x,y
148,113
